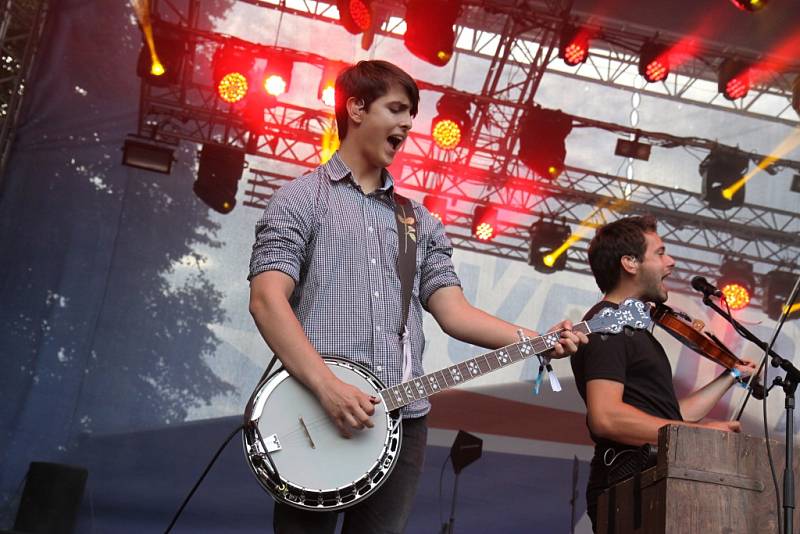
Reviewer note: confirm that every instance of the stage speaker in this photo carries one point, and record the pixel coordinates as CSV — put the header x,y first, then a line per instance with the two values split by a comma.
x,y
51,498
465,450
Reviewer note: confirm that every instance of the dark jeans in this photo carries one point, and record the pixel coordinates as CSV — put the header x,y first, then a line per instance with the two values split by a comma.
x,y
384,512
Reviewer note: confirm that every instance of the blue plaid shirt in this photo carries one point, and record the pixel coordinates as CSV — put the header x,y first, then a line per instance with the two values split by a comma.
x,y
340,246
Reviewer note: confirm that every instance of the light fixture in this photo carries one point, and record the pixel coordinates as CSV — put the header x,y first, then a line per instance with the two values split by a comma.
x,y
546,237
654,62
450,128
218,173
542,144
148,156
430,33
778,289
733,79
574,45
721,169
632,149
230,70
484,223
437,206
737,282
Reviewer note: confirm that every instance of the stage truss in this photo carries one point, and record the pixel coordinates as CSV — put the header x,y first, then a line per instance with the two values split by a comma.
x,y
488,172
21,26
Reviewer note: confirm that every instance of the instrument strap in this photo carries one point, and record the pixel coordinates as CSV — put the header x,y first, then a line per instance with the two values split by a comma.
x,y
406,250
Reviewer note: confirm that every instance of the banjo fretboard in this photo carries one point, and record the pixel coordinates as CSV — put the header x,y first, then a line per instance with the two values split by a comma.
x,y
431,383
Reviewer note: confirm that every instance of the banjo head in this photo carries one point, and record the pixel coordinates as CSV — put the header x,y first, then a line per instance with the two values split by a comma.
x,y
317,468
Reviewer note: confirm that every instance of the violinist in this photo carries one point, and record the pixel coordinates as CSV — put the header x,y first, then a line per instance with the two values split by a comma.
x,y
626,380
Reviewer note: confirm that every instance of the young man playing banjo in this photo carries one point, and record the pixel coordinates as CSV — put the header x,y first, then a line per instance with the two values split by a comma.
x,y
626,380
324,281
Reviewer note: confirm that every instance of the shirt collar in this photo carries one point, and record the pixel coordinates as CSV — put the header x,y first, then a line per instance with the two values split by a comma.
x,y
338,170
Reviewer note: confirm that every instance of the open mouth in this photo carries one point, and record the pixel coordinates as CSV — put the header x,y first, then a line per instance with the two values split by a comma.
x,y
395,141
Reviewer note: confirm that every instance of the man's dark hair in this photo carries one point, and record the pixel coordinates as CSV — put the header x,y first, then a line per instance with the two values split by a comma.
x,y
624,237
367,81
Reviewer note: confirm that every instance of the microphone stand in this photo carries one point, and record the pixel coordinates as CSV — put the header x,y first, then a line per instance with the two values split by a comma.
x,y
788,383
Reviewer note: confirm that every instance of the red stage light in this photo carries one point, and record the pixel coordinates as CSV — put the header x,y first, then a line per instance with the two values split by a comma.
x,y
654,62
355,15
734,79
275,85
655,71
484,223
361,13
574,47
277,76
327,84
231,67
429,29
437,206
328,95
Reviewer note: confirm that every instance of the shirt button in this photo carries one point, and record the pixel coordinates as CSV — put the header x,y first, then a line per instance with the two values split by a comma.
x,y
379,368
378,328
371,229
373,261
377,294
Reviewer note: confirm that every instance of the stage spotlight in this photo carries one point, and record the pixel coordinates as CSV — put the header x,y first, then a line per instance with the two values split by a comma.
x,y
484,223
450,128
778,288
169,51
654,62
574,46
546,238
750,5
148,156
437,206
218,174
737,283
733,79
277,76
542,144
720,169
429,29
327,84
632,149
355,15
231,68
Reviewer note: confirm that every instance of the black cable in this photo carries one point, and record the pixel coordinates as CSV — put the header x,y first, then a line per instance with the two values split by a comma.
x,y
775,361
769,450
764,408
200,480
441,477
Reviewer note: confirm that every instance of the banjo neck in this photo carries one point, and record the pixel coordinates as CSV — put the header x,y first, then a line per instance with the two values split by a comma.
x,y
426,385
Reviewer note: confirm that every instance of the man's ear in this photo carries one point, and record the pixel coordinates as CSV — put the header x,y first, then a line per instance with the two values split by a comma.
x,y
630,264
355,109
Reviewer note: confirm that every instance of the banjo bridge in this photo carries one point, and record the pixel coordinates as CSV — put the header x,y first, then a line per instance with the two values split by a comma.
x,y
308,435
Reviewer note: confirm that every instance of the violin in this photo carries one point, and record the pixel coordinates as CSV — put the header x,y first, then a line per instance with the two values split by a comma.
x,y
690,332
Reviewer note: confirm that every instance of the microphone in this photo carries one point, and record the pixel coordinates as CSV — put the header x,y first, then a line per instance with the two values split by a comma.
x,y
704,286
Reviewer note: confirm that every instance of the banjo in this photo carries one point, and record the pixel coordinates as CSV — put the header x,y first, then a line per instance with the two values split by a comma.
x,y
298,455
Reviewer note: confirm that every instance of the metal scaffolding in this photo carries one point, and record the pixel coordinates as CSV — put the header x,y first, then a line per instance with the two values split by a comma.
x,y
488,171
21,26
